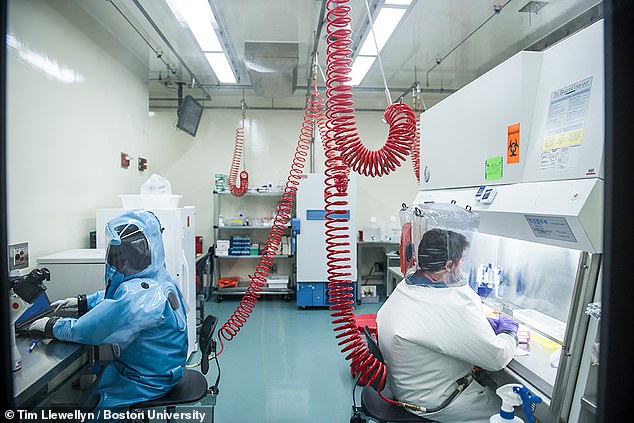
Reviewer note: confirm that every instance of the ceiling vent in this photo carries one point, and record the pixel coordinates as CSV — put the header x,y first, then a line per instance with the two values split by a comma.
x,y
533,6
272,67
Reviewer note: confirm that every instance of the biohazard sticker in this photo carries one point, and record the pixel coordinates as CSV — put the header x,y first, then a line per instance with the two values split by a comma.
x,y
513,144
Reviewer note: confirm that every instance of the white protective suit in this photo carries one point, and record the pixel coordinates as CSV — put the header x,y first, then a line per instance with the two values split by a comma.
x,y
432,336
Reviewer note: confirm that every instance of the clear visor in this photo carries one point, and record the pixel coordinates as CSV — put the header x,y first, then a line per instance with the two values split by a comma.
x,y
128,250
437,238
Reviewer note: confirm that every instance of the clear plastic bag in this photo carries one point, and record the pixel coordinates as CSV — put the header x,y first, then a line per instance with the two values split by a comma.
x,y
156,185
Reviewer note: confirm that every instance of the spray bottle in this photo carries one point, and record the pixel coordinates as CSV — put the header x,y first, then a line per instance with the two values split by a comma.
x,y
513,395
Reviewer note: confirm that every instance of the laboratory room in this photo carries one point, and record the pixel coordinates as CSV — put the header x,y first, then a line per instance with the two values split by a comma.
x,y
316,211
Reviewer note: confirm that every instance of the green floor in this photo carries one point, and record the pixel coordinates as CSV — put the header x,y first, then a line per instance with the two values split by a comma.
x,y
283,366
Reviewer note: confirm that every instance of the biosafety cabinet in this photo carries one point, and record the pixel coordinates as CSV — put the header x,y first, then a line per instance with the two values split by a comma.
x,y
530,163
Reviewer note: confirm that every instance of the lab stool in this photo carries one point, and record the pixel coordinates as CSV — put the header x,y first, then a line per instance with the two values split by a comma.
x,y
375,408
191,389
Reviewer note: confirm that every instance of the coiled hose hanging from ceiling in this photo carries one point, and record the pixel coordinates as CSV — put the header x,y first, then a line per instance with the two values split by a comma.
x,y
282,217
238,151
340,106
342,141
416,102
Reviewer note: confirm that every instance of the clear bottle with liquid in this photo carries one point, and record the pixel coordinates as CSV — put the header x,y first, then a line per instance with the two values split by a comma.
x,y
393,230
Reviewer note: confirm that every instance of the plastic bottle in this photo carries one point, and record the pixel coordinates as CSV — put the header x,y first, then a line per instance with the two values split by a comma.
x,y
372,231
510,399
221,220
393,230
500,281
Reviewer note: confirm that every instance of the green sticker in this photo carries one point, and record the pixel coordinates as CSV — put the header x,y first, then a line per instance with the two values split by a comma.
x,y
493,168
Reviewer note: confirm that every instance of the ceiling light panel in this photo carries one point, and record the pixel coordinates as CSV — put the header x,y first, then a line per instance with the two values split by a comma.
x,y
198,16
398,2
385,23
221,67
360,67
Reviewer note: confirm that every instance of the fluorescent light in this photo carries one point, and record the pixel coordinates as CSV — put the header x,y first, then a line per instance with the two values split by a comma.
x,y
360,67
221,67
398,2
384,24
198,16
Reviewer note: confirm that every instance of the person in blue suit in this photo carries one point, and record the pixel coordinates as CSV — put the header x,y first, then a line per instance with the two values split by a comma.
x,y
141,313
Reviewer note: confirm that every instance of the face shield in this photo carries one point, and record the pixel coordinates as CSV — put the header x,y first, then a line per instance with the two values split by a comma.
x,y
128,249
438,236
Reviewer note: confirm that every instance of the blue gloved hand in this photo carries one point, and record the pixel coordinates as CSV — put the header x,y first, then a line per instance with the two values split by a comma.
x,y
506,324
494,323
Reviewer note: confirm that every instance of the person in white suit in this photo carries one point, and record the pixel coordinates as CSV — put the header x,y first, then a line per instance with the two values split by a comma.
x,y
432,331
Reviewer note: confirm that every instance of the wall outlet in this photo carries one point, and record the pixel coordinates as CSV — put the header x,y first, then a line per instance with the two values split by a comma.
x,y
19,256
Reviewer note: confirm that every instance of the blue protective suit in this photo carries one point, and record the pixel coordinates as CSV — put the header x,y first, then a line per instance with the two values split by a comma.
x,y
142,315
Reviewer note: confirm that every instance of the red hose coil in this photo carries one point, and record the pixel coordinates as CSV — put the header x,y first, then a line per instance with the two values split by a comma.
x,y
282,217
235,166
343,148
400,117
416,151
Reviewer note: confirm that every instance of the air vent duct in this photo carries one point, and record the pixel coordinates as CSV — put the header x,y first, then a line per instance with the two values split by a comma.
x,y
272,67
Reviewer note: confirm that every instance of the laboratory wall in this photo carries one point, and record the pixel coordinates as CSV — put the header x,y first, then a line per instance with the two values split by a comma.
x,y
75,104
72,108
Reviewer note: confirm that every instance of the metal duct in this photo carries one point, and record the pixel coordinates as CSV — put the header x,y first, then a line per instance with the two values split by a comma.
x,y
272,67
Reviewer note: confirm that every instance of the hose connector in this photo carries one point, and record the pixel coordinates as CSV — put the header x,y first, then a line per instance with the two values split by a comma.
x,y
412,406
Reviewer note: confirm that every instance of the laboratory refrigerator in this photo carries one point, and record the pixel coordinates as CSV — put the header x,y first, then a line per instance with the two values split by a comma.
x,y
179,241
312,268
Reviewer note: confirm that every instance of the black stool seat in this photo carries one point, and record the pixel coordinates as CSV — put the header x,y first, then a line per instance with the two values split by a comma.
x,y
383,411
191,388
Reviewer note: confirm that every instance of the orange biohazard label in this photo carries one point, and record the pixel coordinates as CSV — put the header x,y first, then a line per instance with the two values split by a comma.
x,y
513,144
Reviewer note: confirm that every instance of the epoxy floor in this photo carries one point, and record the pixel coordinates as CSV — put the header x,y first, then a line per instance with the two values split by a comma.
x,y
283,366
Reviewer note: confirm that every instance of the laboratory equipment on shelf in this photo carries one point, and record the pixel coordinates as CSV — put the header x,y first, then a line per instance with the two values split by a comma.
x,y
241,225
23,291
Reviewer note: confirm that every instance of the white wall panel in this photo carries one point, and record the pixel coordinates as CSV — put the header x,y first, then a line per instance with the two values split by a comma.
x,y
71,110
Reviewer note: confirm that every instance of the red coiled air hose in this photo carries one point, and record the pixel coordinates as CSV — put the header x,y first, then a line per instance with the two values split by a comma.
x,y
342,145
340,106
235,166
283,215
416,151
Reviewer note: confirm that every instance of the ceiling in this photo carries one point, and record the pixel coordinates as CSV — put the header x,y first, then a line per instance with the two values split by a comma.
x,y
442,44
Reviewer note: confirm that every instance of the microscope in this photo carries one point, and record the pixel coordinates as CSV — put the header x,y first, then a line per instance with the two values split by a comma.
x,y
23,290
